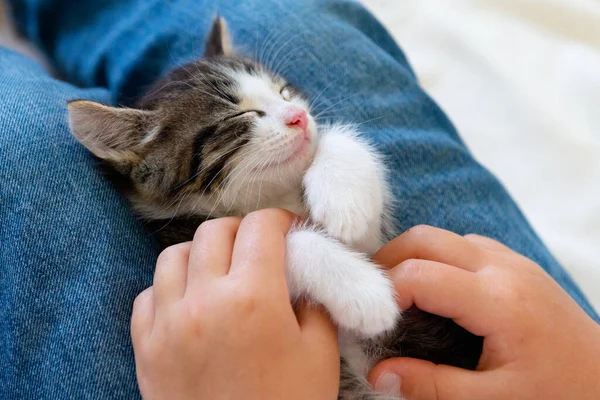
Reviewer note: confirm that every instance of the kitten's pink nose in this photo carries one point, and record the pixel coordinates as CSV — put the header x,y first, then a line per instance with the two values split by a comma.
x,y
297,117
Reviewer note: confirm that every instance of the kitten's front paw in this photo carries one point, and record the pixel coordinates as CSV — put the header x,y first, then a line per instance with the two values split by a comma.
x,y
348,219
356,292
345,188
370,310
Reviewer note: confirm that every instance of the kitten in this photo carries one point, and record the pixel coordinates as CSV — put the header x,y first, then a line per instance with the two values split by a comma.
x,y
224,136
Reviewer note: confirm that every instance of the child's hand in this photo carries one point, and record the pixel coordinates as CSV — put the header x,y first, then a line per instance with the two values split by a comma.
x,y
218,323
539,344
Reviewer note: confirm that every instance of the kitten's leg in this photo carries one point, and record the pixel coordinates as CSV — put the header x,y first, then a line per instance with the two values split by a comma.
x,y
356,292
345,189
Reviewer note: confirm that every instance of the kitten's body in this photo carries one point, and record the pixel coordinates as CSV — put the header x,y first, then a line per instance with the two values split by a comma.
x,y
223,136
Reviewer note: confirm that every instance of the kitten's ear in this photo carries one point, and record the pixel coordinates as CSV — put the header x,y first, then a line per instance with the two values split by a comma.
x,y
218,42
110,133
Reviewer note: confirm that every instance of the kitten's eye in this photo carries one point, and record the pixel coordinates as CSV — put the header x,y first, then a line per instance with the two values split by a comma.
x,y
258,113
285,93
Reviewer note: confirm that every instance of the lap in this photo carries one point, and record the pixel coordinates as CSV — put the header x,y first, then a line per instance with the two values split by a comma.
x,y
72,257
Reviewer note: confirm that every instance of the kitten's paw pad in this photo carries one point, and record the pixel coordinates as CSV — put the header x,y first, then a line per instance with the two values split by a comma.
x,y
372,310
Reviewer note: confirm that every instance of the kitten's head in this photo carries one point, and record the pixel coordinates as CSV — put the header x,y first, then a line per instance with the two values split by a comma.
x,y
206,138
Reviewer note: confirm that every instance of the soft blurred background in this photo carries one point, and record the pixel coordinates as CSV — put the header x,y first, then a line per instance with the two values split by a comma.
x,y
521,81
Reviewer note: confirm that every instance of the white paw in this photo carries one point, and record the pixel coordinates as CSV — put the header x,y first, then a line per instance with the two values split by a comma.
x,y
357,293
345,188
347,219
369,310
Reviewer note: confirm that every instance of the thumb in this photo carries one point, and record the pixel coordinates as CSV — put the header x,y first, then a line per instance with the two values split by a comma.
x,y
315,322
414,379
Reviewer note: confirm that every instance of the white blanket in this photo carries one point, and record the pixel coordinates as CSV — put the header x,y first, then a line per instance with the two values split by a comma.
x,y
521,81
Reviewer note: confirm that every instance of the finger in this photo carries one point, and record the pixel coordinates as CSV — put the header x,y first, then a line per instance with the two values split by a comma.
x,y
259,249
314,320
434,244
210,256
488,243
445,291
318,331
422,380
142,316
170,275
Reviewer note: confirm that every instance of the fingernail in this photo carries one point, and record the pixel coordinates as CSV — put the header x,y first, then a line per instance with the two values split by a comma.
x,y
389,384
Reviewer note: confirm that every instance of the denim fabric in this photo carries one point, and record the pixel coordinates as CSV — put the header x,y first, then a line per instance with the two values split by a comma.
x,y
72,256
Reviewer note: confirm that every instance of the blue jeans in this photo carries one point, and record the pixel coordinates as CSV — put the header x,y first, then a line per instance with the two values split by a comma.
x,y
73,257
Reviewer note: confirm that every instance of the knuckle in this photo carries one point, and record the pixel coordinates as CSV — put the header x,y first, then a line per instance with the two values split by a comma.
x,y
418,238
139,301
522,263
246,302
419,231
185,320
209,227
259,215
410,269
265,215
244,298
257,220
190,317
206,228
170,253
504,290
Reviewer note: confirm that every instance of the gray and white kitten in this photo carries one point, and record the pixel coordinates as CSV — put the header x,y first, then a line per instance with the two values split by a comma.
x,y
224,136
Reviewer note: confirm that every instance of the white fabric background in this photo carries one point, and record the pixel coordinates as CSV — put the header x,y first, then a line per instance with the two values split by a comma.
x,y
521,80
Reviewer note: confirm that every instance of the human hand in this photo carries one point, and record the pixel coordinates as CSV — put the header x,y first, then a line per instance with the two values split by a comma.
x,y
538,343
218,323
